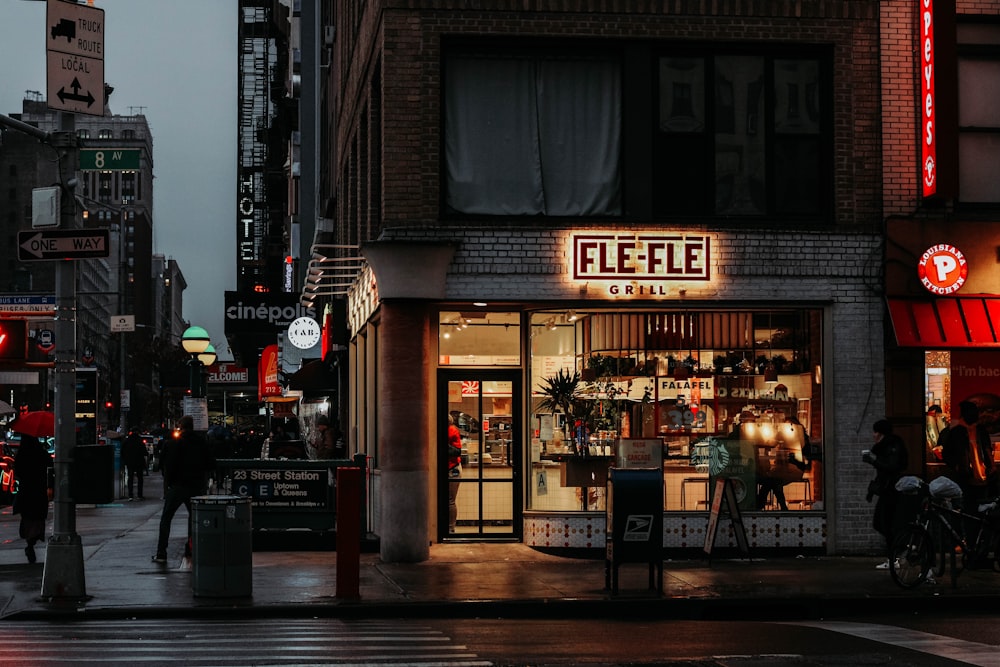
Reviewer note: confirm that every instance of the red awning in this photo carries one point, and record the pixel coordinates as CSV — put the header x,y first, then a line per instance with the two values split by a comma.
x,y
946,322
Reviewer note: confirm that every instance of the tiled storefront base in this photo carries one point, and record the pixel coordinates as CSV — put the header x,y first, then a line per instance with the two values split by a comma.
x,y
766,532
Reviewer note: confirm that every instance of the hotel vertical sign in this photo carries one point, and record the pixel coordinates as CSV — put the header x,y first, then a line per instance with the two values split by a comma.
x,y
928,131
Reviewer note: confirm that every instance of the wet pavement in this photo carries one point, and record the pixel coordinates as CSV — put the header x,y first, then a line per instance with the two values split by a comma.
x,y
458,580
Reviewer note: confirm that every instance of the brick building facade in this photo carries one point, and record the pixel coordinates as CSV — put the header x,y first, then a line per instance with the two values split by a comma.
x,y
749,134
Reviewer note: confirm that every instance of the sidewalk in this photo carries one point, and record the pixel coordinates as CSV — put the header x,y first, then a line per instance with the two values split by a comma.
x,y
460,580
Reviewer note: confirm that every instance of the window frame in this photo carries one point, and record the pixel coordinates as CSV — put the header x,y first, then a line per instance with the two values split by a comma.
x,y
710,54
637,182
974,51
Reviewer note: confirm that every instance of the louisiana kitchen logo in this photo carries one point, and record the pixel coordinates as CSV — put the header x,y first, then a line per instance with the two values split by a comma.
x,y
942,269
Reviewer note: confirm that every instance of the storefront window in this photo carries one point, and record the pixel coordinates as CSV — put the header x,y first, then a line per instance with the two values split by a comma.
x,y
702,394
479,338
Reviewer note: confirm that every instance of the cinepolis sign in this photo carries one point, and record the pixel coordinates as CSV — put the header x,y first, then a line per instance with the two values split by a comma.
x,y
942,269
640,264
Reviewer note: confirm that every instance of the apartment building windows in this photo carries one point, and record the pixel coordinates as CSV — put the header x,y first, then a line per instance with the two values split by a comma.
x,y
740,135
978,121
533,134
637,132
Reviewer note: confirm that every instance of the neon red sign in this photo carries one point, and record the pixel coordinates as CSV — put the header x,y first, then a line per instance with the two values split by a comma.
x,y
928,133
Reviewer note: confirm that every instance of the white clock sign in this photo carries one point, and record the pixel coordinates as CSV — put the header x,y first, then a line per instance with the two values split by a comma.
x,y
304,333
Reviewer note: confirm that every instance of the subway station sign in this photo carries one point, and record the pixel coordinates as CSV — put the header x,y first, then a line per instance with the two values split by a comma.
x,y
282,488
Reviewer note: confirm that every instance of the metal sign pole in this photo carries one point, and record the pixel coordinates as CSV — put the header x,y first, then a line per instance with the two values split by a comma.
x,y
63,576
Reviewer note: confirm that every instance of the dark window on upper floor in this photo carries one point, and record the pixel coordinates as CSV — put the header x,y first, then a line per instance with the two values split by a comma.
x,y
740,135
703,132
978,119
533,133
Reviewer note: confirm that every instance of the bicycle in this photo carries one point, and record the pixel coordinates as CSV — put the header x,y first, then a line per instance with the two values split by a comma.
x,y
937,535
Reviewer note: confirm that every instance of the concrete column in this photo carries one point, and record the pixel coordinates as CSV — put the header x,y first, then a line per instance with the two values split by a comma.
x,y
404,424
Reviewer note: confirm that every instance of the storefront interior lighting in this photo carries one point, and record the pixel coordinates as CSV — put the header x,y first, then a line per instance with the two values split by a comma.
x,y
770,372
937,371
571,316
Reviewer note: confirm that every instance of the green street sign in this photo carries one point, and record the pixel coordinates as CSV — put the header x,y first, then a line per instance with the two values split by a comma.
x,y
109,159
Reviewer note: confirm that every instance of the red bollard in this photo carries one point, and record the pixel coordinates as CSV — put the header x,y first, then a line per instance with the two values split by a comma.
x,y
348,532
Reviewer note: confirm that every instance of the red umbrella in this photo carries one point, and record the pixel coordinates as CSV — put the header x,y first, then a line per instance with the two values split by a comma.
x,y
40,424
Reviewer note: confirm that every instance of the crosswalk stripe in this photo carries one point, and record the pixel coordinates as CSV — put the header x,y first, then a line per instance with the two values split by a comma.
x,y
973,653
282,642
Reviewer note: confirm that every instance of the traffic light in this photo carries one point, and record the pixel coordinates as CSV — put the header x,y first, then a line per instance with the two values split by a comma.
x,y
13,340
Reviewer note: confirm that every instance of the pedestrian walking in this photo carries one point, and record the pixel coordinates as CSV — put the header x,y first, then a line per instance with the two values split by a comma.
x,y
967,451
187,463
31,468
135,457
889,458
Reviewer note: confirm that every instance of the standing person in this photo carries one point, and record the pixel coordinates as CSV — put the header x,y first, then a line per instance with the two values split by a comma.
x,y
134,456
934,423
324,444
784,469
31,468
967,451
454,471
889,458
187,462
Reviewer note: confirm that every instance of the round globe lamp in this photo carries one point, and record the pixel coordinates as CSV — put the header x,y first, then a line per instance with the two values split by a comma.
x,y
195,340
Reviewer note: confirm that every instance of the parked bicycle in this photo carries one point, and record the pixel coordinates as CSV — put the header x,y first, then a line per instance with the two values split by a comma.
x,y
938,535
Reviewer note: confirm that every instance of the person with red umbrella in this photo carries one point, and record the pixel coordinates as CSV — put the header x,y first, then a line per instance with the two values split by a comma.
x,y
40,424
31,468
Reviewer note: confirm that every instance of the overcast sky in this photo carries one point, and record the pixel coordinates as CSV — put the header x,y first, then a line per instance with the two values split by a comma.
x,y
177,60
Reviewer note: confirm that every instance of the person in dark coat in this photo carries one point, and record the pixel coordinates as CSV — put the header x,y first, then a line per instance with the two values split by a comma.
x,y
889,458
134,455
187,463
31,468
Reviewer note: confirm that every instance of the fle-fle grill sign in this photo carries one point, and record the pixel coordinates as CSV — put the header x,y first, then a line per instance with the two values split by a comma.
x,y
637,263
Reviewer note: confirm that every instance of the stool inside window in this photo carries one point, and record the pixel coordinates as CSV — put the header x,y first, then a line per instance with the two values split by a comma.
x,y
701,481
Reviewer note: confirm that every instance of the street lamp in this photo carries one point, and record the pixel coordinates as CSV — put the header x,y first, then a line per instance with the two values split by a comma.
x,y
197,343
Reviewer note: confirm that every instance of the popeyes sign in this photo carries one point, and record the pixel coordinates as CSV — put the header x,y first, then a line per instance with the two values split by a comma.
x,y
942,269
928,143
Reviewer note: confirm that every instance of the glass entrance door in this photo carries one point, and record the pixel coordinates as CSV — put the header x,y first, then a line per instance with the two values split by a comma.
x,y
479,489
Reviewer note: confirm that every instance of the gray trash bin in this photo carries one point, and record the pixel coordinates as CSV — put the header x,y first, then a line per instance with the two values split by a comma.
x,y
222,546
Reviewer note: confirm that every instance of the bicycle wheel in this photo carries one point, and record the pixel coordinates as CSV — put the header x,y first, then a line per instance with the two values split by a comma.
x,y
911,557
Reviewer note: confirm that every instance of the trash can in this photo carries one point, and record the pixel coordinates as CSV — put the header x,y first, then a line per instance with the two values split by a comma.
x,y
221,546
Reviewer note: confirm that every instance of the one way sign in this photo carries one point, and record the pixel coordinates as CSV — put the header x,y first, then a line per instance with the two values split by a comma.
x,y
62,244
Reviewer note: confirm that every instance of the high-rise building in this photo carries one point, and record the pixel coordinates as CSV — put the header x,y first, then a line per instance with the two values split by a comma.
x,y
114,191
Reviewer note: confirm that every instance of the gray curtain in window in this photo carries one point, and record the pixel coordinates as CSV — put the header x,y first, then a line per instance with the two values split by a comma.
x,y
532,136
